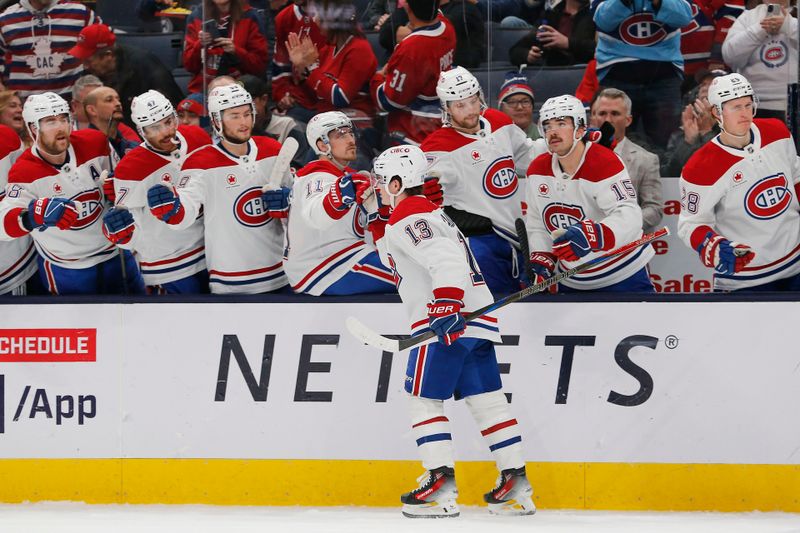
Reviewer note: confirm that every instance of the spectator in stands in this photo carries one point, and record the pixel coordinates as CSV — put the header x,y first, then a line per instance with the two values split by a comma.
x,y
104,111
638,52
566,36
35,36
762,45
376,14
702,38
698,126
11,115
190,110
83,86
233,37
287,92
131,71
516,100
614,106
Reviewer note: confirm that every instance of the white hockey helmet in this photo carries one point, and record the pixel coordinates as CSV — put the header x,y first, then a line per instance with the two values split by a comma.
x,y
454,85
39,106
406,162
321,125
729,87
562,106
149,108
227,97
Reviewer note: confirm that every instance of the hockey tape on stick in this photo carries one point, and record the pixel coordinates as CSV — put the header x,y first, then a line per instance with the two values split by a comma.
x,y
367,336
281,165
524,247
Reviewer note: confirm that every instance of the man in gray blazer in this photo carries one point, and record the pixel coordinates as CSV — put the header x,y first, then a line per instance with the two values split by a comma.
x,y
614,106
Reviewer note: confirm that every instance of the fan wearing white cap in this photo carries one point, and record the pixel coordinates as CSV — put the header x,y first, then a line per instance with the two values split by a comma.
x,y
223,183
172,262
581,202
477,156
739,196
327,253
55,187
439,281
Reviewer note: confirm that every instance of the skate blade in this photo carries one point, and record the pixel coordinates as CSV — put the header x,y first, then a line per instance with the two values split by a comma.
x,y
432,510
520,507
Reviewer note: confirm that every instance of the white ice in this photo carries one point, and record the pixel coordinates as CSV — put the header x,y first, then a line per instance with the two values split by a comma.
x,y
72,517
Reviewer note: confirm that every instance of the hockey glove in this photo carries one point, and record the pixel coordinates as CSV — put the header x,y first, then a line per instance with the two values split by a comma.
x,y
46,213
542,266
444,314
432,190
118,225
276,202
165,204
346,191
580,239
724,256
107,182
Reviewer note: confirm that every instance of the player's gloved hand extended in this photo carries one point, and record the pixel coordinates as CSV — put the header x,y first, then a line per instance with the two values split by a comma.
x,y
118,225
579,239
276,202
377,214
165,204
46,213
604,136
347,190
432,190
444,314
107,183
541,266
724,256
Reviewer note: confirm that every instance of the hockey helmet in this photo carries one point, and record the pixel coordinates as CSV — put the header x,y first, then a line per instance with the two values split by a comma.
x,y
39,106
149,108
406,162
321,125
454,85
562,106
729,87
227,97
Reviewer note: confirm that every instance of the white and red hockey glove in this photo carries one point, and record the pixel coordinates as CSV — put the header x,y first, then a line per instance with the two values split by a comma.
x,y
724,256
444,314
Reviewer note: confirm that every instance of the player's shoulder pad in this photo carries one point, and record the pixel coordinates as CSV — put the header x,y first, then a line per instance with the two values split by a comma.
x,y
88,144
195,137
445,140
206,158
29,168
267,147
321,165
541,166
771,130
138,164
708,164
497,119
599,163
9,141
414,205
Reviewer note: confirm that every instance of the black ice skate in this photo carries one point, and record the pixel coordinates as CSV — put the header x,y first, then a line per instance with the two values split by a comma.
x,y
512,495
435,497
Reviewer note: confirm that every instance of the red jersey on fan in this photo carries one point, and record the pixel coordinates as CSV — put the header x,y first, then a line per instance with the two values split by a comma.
x,y
292,19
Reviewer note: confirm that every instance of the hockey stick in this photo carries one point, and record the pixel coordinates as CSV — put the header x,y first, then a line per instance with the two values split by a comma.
x,y
524,247
367,336
281,165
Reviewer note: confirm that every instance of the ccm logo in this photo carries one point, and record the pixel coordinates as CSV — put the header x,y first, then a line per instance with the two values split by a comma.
x,y
48,345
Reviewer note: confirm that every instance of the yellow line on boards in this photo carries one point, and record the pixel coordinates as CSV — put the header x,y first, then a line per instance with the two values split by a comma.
x,y
612,486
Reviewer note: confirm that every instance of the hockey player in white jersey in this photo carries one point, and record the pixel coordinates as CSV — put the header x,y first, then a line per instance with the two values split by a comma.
x,y
581,202
477,154
439,280
17,256
244,243
172,262
326,253
54,187
739,196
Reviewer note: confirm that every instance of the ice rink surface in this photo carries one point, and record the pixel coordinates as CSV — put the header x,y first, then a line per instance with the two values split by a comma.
x,y
72,517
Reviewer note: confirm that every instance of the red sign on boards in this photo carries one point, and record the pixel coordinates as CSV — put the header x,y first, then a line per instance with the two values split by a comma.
x,y
48,345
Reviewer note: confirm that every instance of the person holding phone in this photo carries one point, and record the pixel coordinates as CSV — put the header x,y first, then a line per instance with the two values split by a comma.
x,y
762,45
233,38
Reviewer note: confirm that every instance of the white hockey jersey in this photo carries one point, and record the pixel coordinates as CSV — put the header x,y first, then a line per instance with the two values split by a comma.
x,y
322,244
600,190
164,255
426,251
78,179
244,246
479,172
749,196
17,256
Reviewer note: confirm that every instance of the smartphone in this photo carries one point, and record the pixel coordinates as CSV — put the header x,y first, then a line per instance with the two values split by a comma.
x,y
210,27
773,10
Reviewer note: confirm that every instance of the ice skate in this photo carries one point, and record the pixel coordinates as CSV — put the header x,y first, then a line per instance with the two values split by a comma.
x,y
435,497
512,495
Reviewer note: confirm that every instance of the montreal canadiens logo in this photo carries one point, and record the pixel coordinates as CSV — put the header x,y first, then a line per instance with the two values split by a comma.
x,y
768,198
359,223
774,54
556,216
500,179
642,30
249,210
90,208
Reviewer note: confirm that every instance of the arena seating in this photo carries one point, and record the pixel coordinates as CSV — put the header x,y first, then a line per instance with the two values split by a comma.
x,y
165,46
545,81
